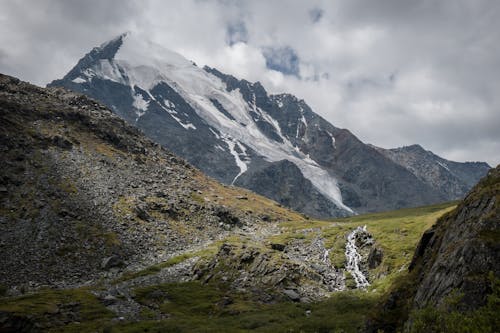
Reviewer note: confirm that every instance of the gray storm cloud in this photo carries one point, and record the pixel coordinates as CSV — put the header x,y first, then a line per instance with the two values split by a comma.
x,y
393,72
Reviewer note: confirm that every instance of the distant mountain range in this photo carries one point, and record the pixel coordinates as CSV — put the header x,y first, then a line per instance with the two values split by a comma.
x,y
274,145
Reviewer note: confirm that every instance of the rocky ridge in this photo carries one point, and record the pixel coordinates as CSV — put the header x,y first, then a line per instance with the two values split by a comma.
x,y
450,178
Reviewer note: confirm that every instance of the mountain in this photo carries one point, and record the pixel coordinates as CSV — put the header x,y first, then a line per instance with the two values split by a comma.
x,y
453,284
237,133
452,179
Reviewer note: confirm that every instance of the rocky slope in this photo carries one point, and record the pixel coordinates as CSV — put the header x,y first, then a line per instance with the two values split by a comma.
x,y
84,195
238,133
455,266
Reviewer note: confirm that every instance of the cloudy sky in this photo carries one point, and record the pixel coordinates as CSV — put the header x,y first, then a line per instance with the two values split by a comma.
x,y
394,72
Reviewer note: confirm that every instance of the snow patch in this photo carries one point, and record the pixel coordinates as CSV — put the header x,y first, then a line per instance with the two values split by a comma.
x,y
185,125
215,133
140,103
231,143
303,120
78,80
168,104
443,165
333,139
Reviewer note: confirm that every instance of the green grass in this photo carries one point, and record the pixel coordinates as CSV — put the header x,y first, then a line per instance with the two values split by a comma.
x,y
45,306
194,307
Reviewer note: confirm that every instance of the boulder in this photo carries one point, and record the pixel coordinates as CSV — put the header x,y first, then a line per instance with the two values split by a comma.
x,y
375,257
112,261
292,294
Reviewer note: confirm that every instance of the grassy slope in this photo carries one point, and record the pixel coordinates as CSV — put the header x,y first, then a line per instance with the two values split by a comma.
x,y
192,307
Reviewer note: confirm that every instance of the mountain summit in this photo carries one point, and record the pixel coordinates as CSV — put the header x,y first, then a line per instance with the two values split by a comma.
x,y
236,132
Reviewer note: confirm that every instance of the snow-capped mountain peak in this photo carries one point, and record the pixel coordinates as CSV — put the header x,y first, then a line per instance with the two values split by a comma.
x,y
237,133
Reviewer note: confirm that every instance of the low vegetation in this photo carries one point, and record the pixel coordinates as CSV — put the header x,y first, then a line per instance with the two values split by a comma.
x,y
214,307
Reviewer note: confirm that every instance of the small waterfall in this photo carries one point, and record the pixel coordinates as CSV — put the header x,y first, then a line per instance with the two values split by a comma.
x,y
353,259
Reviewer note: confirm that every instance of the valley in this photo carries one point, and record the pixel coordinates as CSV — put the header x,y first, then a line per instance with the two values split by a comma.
x,y
104,230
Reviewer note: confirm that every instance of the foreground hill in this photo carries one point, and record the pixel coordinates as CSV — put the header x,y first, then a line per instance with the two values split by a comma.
x,y
238,133
83,194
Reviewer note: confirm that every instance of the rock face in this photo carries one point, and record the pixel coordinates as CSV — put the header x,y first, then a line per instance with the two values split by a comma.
x,y
238,133
453,180
85,195
459,252
457,256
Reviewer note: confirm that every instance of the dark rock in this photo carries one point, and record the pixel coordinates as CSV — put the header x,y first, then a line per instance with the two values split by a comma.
x,y
278,246
375,257
142,213
61,142
226,216
265,218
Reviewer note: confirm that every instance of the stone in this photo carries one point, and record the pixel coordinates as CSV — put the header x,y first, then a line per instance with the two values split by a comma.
x,y
292,294
142,213
109,300
61,142
112,261
375,257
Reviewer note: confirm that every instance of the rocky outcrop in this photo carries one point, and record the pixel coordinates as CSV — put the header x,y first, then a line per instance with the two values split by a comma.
x,y
459,256
459,252
299,270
